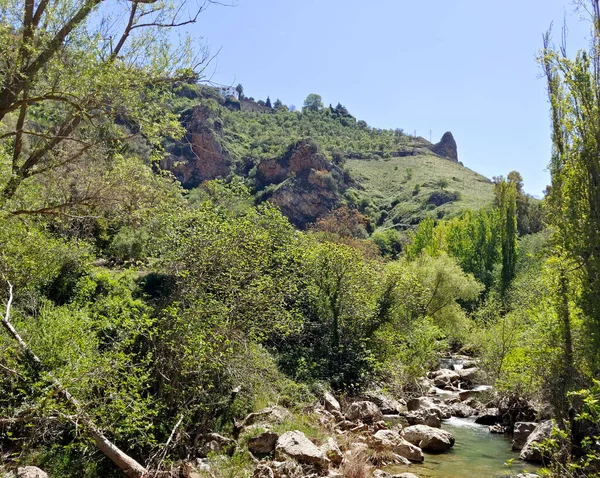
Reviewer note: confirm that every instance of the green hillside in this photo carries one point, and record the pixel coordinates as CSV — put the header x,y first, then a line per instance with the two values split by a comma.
x,y
394,179
411,188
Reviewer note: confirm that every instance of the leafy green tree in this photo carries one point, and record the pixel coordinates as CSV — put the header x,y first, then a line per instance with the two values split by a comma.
x,y
313,102
68,96
573,201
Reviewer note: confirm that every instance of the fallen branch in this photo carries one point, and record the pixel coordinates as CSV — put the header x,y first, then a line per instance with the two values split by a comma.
x,y
129,466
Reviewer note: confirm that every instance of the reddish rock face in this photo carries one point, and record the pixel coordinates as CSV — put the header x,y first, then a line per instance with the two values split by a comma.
x,y
207,159
311,190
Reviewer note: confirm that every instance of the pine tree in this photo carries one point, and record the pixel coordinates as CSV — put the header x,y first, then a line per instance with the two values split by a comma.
x,y
268,103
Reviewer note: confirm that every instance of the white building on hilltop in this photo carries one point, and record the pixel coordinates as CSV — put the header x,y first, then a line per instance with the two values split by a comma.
x,y
226,91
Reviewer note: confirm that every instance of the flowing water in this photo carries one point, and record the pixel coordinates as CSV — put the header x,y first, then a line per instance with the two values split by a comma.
x,y
476,453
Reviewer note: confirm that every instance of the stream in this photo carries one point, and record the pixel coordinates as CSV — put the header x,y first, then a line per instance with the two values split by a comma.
x,y
476,451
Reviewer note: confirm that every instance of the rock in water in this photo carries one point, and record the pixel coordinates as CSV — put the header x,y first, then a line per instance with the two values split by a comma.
x,y
429,438
531,451
521,432
394,442
295,445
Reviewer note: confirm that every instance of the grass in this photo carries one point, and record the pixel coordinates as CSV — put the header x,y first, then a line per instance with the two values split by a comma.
x,y
402,187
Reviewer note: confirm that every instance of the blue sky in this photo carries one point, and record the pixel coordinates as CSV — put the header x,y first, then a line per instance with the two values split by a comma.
x,y
466,66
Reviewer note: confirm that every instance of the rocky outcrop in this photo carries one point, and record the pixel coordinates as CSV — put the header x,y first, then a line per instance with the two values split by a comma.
x,y
295,445
199,156
428,438
302,183
531,451
521,432
446,148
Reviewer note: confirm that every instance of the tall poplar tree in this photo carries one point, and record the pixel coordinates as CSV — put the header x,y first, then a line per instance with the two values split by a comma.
x,y
573,201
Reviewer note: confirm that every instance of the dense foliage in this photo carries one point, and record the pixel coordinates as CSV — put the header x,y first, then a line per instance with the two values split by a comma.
x,y
167,313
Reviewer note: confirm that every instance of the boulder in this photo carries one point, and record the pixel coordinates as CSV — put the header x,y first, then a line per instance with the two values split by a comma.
x,y
31,472
331,403
394,442
427,417
366,411
469,375
531,450
396,421
346,425
294,444
521,432
332,451
428,438
515,409
387,404
461,410
445,378
263,444
488,417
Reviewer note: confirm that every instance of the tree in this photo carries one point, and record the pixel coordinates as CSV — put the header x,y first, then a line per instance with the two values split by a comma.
x,y
240,91
278,105
68,95
573,200
506,197
313,102
268,103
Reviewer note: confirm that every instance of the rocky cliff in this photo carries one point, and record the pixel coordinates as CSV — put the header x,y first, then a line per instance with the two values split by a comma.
x,y
302,183
199,156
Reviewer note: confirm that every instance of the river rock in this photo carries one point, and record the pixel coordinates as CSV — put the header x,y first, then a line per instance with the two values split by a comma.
x,y
488,417
531,450
331,403
364,410
394,442
31,472
387,404
295,445
469,375
427,417
263,443
429,438
521,432
384,474
445,378
515,409
461,410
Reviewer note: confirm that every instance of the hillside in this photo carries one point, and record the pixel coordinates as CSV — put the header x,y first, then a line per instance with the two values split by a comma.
x,y
411,188
394,179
